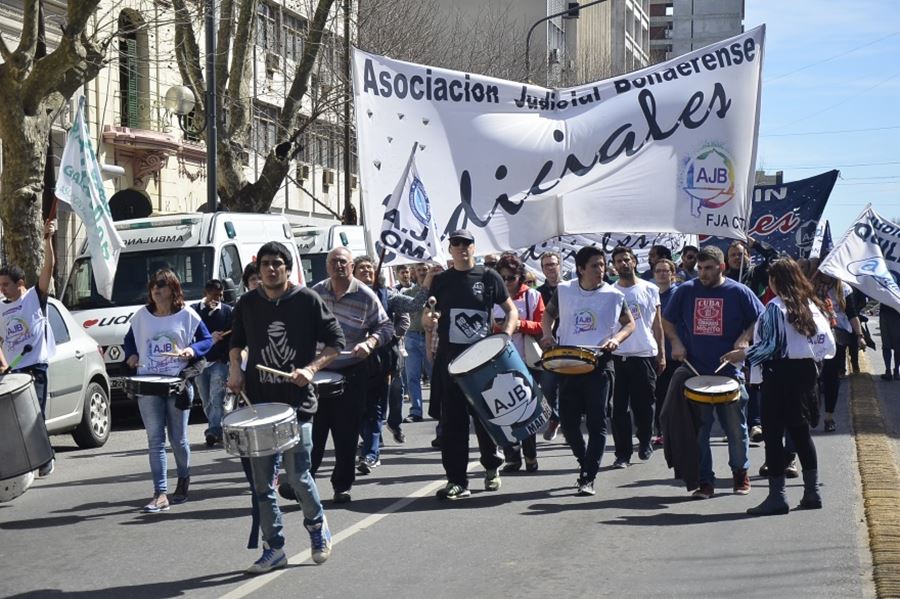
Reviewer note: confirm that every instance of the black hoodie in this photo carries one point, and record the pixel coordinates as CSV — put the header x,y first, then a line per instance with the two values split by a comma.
x,y
283,334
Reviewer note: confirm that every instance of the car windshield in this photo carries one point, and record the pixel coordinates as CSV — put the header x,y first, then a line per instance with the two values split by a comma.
x,y
194,266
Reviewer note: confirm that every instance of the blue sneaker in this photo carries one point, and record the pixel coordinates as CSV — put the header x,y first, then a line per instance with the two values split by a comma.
x,y
320,540
271,559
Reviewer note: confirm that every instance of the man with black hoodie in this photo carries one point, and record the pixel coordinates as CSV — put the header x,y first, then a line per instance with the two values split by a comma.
x,y
280,324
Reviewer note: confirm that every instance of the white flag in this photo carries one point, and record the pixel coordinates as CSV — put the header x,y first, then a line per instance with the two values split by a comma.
x,y
81,186
821,240
868,258
408,230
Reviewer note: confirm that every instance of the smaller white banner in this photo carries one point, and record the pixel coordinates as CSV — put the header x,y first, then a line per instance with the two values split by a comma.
x,y
868,258
81,186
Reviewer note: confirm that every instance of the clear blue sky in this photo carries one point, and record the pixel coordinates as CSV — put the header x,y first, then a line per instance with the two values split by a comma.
x,y
833,66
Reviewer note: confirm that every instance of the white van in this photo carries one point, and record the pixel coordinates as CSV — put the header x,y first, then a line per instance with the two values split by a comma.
x,y
314,243
197,247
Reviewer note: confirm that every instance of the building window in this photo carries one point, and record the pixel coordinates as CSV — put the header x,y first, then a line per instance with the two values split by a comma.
x,y
294,37
134,71
267,27
265,127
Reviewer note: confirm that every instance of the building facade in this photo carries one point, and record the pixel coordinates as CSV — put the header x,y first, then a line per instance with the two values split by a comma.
x,y
680,26
157,162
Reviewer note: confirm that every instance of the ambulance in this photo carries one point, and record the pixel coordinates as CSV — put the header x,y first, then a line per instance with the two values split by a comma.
x,y
197,247
314,243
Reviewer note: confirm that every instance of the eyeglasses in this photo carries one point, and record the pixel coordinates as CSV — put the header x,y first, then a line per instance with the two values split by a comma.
x,y
160,283
460,242
510,278
491,264
273,264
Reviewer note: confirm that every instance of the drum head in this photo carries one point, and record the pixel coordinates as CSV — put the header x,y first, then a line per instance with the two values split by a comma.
x,y
327,377
712,384
261,413
13,383
155,378
478,354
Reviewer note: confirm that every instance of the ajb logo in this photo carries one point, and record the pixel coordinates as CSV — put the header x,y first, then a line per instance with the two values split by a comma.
x,y
708,179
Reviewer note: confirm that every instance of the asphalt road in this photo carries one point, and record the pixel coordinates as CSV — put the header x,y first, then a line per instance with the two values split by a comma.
x,y
79,533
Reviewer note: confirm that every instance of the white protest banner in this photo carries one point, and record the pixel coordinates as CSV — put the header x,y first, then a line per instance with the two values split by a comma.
x,y
868,258
408,225
669,148
568,246
821,243
81,186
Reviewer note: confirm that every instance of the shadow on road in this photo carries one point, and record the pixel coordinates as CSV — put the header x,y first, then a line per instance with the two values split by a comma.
x,y
176,588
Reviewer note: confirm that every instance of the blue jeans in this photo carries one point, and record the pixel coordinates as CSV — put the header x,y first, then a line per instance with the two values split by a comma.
x,y
38,372
415,364
158,413
211,385
732,418
550,389
370,429
296,465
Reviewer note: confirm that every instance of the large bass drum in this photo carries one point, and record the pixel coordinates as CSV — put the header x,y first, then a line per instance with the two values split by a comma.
x,y
24,444
495,380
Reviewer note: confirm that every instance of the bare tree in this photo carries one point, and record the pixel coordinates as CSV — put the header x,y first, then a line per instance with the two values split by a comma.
x,y
235,38
33,91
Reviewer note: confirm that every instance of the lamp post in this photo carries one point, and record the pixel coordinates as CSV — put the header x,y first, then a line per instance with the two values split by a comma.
x,y
180,100
571,13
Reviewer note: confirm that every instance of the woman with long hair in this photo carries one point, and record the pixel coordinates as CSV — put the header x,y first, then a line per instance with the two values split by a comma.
x,y
835,295
164,336
790,337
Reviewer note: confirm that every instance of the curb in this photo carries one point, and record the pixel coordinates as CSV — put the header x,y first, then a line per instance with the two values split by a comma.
x,y
880,482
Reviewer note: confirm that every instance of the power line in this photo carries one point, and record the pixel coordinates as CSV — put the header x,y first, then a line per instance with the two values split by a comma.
x,y
858,164
830,132
870,178
830,58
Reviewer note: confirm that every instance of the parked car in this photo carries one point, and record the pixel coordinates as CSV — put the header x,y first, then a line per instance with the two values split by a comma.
x,y
78,388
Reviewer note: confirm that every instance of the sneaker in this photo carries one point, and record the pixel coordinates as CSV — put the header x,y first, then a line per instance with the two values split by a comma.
x,y
756,434
830,426
552,430
531,465
621,464
399,437
212,440
491,480
181,491
764,470
367,464
645,452
657,441
319,540
790,471
342,496
159,503
741,483
511,467
361,466
452,491
585,487
705,491
47,469
436,442
412,418
271,559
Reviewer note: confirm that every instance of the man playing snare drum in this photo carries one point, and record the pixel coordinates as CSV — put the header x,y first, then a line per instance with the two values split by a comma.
x,y
706,318
466,295
280,324
592,315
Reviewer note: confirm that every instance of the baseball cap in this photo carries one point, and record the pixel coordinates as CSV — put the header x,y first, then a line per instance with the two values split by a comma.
x,y
462,234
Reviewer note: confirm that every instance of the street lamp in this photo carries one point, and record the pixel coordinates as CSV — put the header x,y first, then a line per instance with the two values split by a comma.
x,y
569,13
180,101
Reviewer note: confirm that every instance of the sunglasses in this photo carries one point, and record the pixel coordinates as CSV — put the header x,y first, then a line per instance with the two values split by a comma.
x,y
510,278
160,283
460,242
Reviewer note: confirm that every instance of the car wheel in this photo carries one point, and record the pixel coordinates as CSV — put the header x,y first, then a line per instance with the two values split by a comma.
x,y
93,431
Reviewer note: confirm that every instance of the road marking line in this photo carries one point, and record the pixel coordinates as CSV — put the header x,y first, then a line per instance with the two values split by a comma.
x,y
260,581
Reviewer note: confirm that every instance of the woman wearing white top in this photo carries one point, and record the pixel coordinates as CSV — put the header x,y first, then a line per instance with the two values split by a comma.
x,y
790,337
164,335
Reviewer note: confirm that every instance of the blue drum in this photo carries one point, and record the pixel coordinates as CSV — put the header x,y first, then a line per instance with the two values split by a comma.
x,y
500,389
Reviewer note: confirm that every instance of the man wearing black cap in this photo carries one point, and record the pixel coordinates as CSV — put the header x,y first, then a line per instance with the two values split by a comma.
x,y
466,295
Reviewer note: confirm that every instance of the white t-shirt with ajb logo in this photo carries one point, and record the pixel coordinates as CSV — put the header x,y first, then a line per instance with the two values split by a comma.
x,y
642,299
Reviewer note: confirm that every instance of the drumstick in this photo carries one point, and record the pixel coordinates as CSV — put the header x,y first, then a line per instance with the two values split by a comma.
x,y
691,366
723,365
228,332
286,375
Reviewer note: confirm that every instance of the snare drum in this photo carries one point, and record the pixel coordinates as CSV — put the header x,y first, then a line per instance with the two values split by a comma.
x,y
495,380
260,430
153,384
569,359
712,389
328,384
